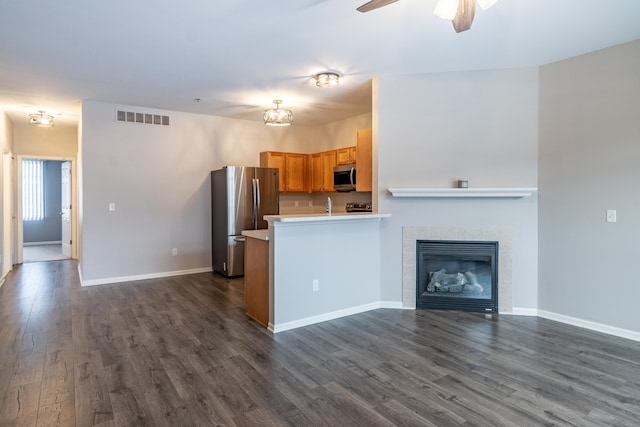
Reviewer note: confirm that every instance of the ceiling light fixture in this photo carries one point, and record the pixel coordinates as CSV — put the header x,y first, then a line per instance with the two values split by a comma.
x,y
40,119
327,79
276,116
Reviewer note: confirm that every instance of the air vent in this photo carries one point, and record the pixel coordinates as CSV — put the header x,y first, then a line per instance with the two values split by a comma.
x,y
143,118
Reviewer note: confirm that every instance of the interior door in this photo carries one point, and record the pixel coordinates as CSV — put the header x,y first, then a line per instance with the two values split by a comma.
x,y
65,214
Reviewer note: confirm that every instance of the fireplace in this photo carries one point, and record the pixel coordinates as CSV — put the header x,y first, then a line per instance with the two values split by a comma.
x,y
457,275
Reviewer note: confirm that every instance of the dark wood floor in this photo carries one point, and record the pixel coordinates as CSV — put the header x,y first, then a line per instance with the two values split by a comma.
x,y
181,352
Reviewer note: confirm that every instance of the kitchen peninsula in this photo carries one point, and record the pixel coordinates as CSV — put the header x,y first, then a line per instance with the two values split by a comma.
x,y
322,267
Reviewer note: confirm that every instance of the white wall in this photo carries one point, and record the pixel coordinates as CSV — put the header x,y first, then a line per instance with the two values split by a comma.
x,y
338,134
58,141
158,177
438,128
339,254
589,155
6,133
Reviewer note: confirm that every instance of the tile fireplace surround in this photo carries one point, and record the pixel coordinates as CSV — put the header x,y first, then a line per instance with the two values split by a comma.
x,y
503,236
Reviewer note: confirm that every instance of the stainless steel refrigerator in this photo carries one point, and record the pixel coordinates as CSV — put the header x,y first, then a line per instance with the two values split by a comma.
x,y
240,197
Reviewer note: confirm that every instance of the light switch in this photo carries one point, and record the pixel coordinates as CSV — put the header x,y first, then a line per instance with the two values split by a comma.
x,y
112,207
611,215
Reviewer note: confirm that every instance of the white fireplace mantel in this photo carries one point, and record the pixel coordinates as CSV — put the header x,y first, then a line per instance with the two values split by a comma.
x,y
462,192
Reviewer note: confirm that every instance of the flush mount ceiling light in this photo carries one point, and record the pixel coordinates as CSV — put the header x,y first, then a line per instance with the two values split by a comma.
x,y
40,119
277,116
327,79
459,12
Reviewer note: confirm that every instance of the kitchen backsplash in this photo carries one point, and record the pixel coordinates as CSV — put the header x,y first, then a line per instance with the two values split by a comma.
x,y
304,203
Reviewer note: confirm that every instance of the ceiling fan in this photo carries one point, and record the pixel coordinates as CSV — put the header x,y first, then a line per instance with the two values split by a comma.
x,y
459,12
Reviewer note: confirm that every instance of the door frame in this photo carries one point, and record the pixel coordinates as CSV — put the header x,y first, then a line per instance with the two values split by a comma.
x,y
19,232
8,216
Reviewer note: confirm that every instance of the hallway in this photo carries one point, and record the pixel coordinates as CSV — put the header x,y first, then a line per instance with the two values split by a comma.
x,y
37,253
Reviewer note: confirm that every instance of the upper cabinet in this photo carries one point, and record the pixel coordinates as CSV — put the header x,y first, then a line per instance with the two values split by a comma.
x,y
322,165
314,172
346,156
292,168
364,160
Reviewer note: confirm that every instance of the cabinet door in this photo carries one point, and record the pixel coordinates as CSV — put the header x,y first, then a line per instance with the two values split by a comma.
x,y
294,166
316,172
363,160
273,159
346,155
342,156
322,165
328,163
352,154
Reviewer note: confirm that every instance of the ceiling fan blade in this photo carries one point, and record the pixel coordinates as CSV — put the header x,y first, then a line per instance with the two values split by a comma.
x,y
464,16
374,4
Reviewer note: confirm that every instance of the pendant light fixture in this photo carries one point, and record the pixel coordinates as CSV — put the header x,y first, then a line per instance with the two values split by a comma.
x,y
277,116
40,119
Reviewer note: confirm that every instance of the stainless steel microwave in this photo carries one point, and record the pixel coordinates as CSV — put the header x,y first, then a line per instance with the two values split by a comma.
x,y
344,178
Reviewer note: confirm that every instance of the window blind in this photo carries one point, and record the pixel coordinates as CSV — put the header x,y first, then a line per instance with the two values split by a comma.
x,y
32,190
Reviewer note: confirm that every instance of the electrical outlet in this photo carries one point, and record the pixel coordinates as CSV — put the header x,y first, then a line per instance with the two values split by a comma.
x,y
112,207
174,252
316,285
296,204
611,215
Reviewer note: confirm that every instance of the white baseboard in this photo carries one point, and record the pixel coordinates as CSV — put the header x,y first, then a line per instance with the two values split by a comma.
x,y
395,305
324,317
121,279
587,324
520,311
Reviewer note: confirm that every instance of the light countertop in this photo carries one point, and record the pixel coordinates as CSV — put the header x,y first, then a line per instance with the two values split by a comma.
x,y
355,216
257,234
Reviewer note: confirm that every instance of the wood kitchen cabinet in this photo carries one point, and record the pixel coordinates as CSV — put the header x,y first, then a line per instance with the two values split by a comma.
x,y
346,155
292,168
256,279
322,165
364,160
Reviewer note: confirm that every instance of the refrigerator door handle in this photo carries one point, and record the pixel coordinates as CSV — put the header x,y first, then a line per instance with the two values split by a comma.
x,y
258,203
253,205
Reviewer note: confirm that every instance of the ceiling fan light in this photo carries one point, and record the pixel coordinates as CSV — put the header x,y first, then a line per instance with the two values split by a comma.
x,y
40,119
277,116
446,9
486,4
327,79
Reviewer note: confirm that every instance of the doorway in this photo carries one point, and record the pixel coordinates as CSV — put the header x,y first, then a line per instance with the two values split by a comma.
x,y
44,215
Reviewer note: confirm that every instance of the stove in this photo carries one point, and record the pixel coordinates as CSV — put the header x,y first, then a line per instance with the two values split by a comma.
x,y
358,207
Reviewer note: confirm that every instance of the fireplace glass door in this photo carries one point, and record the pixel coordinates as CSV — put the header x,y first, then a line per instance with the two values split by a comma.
x,y
457,275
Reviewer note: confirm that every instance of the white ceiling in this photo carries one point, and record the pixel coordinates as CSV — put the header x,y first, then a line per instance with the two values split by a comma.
x,y
239,55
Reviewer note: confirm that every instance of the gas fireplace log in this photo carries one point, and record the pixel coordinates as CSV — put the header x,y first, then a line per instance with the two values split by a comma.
x,y
440,281
472,286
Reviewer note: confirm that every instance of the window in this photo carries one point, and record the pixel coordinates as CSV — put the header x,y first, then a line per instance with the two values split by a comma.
x,y
32,190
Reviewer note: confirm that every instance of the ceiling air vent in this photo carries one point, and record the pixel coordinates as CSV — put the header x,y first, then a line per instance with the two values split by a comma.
x,y
143,118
